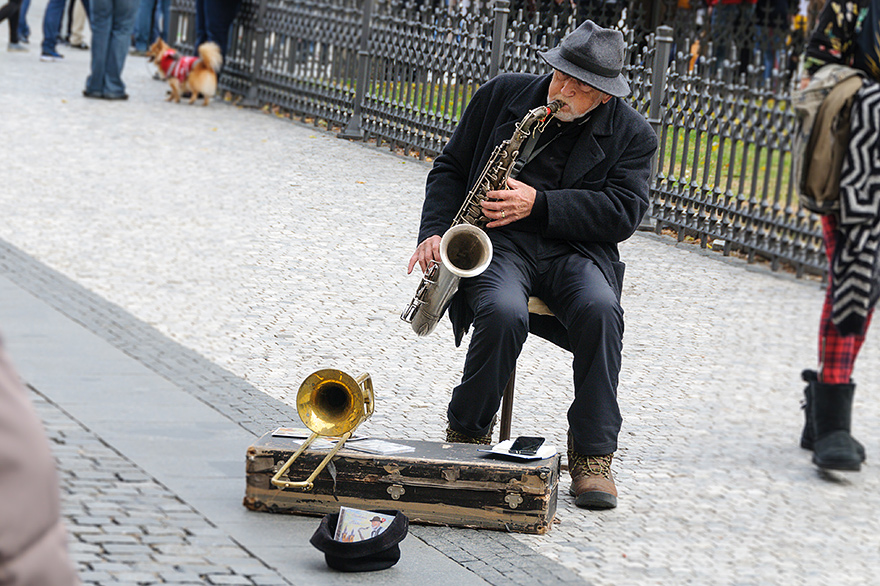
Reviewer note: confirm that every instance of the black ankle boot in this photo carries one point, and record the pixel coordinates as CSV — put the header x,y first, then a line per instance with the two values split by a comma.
x,y
831,411
810,377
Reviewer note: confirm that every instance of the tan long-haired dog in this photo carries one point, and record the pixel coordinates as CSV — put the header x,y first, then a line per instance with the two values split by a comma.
x,y
197,75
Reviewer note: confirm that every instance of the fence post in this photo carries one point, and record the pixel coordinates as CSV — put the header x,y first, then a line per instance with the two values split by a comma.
x,y
250,100
662,48
499,32
354,129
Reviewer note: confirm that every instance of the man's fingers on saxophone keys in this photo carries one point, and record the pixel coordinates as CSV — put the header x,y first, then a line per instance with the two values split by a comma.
x,y
494,207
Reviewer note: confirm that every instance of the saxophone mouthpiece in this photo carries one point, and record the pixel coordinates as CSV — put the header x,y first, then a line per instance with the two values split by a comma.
x,y
552,108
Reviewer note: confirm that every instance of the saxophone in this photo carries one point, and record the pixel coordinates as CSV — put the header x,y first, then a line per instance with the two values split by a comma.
x,y
465,249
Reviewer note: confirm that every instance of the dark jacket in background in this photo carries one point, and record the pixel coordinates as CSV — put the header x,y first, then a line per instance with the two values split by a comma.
x,y
845,37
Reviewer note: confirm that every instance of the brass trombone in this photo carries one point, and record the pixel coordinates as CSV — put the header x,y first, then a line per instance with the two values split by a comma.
x,y
330,403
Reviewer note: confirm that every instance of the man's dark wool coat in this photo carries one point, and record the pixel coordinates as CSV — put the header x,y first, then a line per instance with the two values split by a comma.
x,y
601,197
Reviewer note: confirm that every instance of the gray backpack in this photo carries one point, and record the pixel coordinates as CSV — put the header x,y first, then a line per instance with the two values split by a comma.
x,y
822,135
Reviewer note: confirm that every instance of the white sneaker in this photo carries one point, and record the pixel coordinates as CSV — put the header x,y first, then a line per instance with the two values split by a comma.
x,y
16,48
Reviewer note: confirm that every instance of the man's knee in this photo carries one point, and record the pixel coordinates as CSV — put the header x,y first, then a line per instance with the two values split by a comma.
x,y
599,316
502,313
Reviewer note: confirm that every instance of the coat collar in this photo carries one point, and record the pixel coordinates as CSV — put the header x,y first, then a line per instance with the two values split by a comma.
x,y
601,124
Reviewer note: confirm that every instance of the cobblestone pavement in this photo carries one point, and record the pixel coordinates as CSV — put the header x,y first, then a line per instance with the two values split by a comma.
x,y
126,528
273,249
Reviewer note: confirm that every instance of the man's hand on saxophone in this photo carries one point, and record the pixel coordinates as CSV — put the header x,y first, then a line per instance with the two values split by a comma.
x,y
509,205
427,251
502,207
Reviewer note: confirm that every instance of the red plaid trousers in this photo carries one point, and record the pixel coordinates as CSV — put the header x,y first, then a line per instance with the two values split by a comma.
x,y
837,354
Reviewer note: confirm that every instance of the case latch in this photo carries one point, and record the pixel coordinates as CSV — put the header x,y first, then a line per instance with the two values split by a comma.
x,y
396,490
513,499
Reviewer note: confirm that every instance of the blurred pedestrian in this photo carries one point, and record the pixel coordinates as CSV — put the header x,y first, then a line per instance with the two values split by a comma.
x,y
33,540
847,33
797,41
10,12
112,25
771,20
213,21
51,28
731,26
153,20
24,31
76,23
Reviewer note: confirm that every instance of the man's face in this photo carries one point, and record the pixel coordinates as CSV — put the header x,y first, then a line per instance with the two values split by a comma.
x,y
578,96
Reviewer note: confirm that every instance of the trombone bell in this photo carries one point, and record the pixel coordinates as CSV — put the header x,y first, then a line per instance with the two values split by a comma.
x,y
330,403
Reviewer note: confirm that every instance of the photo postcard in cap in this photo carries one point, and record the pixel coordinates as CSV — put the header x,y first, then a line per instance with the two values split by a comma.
x,y
358,525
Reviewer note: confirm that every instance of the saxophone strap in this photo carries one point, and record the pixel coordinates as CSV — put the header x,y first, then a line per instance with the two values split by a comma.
x,y
528,152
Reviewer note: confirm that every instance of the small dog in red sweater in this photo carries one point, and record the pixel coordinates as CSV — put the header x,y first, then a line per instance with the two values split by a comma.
x,y
197,75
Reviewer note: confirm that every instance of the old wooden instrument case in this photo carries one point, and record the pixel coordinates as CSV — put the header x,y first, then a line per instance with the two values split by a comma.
x,y
438,483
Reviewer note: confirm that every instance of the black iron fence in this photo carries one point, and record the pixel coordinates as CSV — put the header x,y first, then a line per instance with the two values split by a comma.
x,y
400,73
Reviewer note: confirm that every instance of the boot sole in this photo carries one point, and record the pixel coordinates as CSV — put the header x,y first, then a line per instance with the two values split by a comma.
x,y
595,500
860,449
842,465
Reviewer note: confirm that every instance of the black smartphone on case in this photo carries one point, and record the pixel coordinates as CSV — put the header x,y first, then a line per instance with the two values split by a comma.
x,y
526,445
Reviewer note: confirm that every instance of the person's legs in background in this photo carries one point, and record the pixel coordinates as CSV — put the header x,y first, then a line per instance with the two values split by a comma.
x,y
78,25
144,26
219,16
24,31
10,12
201,23
124,14
724,17
101,21
165,9
67,24
51,25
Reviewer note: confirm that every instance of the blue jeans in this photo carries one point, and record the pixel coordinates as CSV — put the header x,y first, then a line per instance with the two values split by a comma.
x,y
147,27
52,24
771,41
213,21
112,24
24,31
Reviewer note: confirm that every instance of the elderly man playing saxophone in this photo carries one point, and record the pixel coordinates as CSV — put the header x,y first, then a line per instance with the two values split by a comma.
x,y
582,189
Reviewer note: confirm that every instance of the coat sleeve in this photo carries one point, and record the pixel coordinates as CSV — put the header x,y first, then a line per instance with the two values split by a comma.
x,y
447,183
610,208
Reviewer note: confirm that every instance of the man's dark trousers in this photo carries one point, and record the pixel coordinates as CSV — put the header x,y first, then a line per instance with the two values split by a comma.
x,y
573,287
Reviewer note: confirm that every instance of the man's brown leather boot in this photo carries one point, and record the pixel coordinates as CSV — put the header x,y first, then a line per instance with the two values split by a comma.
x,y
592,484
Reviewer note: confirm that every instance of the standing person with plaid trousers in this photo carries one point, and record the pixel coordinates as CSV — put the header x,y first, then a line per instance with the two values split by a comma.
x,y
846,33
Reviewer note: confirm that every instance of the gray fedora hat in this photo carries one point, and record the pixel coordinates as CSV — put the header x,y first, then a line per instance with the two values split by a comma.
x,y
593,55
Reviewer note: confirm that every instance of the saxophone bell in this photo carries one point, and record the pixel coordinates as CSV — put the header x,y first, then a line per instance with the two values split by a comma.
x,y
465,251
